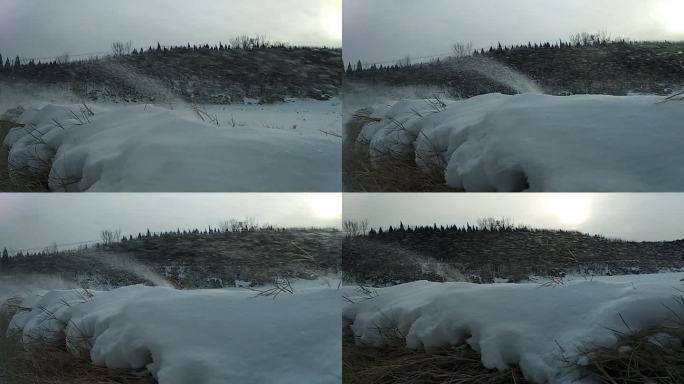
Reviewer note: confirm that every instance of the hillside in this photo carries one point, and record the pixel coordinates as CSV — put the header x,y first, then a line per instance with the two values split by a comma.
x,y
614,68
216,75
194,259
513,254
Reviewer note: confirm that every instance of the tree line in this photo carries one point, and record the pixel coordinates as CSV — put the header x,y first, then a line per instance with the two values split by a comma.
x,y
121,49
361,229
459,50
109,237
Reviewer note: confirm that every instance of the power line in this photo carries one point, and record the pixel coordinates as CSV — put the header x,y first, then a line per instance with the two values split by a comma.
x,y
56,245
58,56
418,58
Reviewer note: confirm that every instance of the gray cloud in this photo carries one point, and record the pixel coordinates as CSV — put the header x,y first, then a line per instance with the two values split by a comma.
x,y
37,28
638,217
385,30
39,220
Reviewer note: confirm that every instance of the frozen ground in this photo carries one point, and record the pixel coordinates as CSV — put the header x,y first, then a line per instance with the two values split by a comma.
x,y
286,147
202,336
533,142
541,328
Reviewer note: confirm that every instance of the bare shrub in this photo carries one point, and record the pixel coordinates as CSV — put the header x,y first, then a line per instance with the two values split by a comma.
x,y
110,237
121,48
462,49
355,228
495,224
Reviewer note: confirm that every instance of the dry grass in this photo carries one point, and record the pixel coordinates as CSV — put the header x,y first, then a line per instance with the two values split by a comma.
x,y
54,365
395,364
7,185
358,175
644,357
641,357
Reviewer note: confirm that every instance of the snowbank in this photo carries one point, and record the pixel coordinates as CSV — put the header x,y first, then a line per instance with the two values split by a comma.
x,y
203,336
530,325
147,148
537,142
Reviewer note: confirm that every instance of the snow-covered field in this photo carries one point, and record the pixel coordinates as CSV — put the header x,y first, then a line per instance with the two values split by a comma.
x,y
536,142
287,147
202,336
541,328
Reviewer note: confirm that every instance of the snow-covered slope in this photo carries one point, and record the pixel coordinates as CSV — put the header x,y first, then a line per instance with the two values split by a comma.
x,y
146,148
202,337
537,142
539,328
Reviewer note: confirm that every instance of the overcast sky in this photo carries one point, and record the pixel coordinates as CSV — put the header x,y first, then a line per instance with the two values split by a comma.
x,y
638,217
40,220
386,30
38,28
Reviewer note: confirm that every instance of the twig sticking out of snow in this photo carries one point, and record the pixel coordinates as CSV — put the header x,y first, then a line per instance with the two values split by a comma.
x,y
679,96
366,293
331,133
279,286
204,115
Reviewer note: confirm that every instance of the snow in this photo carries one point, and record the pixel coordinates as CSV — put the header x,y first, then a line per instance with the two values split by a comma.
x,y
202,336
256,148
536,327
537,142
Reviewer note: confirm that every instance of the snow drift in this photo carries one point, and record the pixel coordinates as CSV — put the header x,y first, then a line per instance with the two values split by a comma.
x,y
535,142
203,336
541,329
147,148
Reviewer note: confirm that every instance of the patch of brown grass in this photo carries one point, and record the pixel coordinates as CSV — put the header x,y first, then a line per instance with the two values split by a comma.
x,y
358,175
6,184
55,365
641,357
396,364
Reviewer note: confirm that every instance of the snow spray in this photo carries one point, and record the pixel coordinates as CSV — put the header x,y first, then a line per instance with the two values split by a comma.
x,y
500,73
130,265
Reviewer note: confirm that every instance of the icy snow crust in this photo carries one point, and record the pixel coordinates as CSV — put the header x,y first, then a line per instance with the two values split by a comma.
x,y
203,336
534,142
147,148
520,324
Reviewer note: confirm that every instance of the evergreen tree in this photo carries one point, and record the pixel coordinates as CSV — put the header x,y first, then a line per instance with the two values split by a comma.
x,y
359,66
17,62
0,62
5,256
350,70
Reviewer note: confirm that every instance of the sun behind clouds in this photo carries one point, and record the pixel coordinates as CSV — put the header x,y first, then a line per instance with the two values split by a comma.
x,y
326,206
569,208
671,14
332,21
